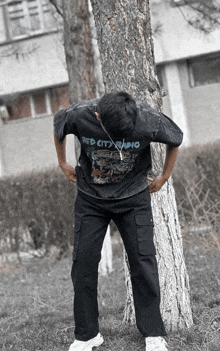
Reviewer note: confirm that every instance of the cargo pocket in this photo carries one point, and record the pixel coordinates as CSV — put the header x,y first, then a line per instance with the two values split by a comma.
x,y
78,219
145,234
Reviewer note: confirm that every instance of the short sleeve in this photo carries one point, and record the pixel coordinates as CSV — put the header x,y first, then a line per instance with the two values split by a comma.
x,y
64,123
168,132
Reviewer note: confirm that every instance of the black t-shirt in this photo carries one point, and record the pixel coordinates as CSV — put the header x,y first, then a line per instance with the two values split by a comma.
x,y
101,173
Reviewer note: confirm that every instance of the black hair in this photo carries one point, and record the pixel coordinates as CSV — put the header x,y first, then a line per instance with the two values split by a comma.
x,y
118,113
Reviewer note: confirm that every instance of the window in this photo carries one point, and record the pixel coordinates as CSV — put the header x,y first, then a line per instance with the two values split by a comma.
x,y
59,98
28,17
204,70
19,108
30,105
38,104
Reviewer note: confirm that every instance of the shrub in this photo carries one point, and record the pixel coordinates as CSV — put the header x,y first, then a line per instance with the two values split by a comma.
x,y
199,164
40,203
197,184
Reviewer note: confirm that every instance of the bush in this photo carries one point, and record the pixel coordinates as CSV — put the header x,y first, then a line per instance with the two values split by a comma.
x,y
40,204
199,163
197,184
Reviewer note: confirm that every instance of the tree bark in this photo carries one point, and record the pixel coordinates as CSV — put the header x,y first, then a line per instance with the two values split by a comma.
x,y
96,55
79,54
83,85
105,265
78,50
127,56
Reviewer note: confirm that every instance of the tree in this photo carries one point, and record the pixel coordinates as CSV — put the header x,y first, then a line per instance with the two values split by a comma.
x,y
200,14
79,53
128,64
127,56
78,50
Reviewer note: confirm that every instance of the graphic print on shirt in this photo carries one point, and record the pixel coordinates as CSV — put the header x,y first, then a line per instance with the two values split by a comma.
x,y
108,167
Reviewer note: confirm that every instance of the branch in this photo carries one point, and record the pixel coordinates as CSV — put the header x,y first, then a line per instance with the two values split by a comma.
x,y
53,2
207,17
18,51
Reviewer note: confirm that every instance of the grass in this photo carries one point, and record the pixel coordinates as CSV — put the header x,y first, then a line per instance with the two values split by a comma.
x,y
36,306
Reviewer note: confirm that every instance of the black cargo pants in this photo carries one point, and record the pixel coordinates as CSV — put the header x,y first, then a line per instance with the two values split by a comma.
x,y
133,218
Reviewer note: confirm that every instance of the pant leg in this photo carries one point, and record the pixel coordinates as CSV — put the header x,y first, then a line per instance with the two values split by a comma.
x,y
136,228
90,229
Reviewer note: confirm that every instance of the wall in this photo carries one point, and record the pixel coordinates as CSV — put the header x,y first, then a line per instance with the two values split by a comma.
x,y
28,144
203,106
177,39
40,63
174,44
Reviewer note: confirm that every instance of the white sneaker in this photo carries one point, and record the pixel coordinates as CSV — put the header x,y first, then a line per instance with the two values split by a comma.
x,y
86,345
155,343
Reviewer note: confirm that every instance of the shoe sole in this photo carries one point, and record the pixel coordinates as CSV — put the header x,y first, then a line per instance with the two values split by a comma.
x,y
94,344
90,345
100,342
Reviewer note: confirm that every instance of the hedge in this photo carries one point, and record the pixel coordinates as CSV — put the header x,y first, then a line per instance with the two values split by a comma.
x,y
43,203
197,184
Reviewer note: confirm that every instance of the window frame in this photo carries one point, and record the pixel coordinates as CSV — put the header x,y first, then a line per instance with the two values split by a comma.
x,y
47,104
199,59
34,115
30,33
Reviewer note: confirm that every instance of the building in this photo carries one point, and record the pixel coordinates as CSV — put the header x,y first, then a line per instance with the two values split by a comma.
x,y
33,83
34,80
188,63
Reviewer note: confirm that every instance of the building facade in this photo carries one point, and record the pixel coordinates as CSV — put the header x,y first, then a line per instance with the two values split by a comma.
x,y
34,79
33,83
189,65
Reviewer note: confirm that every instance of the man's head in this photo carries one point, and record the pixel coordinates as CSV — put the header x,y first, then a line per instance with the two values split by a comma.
x,y
118,113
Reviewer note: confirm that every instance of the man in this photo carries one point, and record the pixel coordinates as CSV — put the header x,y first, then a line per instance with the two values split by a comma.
x,y
115,134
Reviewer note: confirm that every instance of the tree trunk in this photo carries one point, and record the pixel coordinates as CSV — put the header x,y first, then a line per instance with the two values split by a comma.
x,y
82,81
1,148
79,55
96,55
129,312
78,50
126,48
105,265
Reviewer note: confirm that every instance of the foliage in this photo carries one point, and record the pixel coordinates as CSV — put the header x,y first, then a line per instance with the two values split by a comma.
x,y
204,14
41,203
197,185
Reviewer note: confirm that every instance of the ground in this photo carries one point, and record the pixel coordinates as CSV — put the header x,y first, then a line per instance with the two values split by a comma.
x,y
36,306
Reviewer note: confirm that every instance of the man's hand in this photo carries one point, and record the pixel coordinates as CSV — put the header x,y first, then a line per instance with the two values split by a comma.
x,y
156,183
69,172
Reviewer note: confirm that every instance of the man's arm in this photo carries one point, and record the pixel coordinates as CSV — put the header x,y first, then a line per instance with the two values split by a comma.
x,y
68,170
158,182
